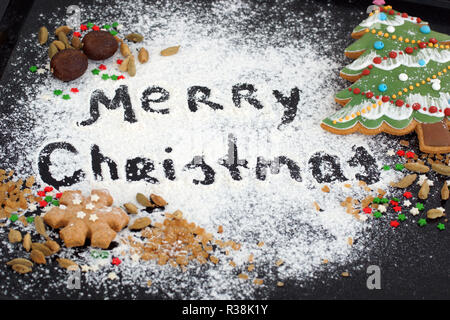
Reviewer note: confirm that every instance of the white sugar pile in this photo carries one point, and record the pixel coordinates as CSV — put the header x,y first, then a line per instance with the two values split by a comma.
x,y
222,44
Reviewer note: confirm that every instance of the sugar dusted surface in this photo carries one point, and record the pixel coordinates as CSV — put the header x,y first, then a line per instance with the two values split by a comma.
x,y
220,47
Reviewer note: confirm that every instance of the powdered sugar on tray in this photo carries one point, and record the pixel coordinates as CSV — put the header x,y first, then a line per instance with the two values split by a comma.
x,y
221,46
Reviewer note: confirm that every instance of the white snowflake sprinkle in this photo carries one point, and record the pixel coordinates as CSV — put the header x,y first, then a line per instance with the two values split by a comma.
x,y
390,152
381,208
93,217
414,211
112,276
407,203
90,206
85,268
95,197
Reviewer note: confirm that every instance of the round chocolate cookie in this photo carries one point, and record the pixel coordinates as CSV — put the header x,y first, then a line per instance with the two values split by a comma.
x,y
99,45
68,64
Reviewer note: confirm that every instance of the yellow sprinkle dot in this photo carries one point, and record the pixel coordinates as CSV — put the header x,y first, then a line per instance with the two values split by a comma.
x,y
400,38
405,90
447,47
374,105
353,115
374,31
347,117
368,108
394,37
367,30
386,35
428,79
418,41
394,96
411,87
334,121
439,73
358,113
380,33
423,81
448,67
363,111
430,44
400,93
417,84
380,102
413,41
436,45
370,14
340,119
445,70
434,76
441,46
407,40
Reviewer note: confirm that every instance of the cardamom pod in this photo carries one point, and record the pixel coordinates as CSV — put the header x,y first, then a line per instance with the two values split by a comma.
x,y
170,51
131,208
64,29
444,191
417,167
158,201
434,213
21,261
14,236
143,200
37,257
424,191
124,65
132,66
52,50
441,168
143,55
405,182
76,42
125,49
135,37
140,223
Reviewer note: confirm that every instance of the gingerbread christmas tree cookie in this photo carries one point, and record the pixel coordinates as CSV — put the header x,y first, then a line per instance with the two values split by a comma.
x,y
401,81
90,217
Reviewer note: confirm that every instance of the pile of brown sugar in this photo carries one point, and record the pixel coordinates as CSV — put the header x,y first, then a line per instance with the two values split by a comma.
x,y
177,242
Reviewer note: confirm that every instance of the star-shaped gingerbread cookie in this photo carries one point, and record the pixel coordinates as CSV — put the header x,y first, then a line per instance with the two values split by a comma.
x,y
90,217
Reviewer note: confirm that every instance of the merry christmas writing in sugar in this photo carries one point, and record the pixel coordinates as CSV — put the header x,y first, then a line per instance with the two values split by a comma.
x,y
323,167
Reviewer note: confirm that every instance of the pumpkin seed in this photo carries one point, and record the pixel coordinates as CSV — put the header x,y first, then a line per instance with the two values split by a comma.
x,y
435,213
64,29
143,55
14,236
43,35
67,263
41,247
140,223
20,268
125,49
143,200
52,50
170,51
158,201
27,242
22,261
131,66
135,37
37,257
131,208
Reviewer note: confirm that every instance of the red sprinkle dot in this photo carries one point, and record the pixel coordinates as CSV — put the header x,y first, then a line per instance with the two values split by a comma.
x,y
394,203
43,203
423,45
377,60
356,91
369,95
58,195
366,72
74,90
48,189
367,210
409,50
385,99
433,109
77,34
404,15
433,40
41,193
116,261
410,154
95,28
419,20
119,61
397,208
102,67
391,12
83,27
370,66
416,106
400,153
